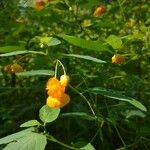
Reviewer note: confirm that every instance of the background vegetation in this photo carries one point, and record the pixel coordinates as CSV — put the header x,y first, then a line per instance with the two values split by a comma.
x,y
98,112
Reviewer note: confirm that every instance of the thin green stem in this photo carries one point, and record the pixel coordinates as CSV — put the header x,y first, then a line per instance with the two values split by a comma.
x,y
84,99
50,138
56,67
62,66
120,136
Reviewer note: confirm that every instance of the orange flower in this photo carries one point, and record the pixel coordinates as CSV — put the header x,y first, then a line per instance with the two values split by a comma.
x,y
99,11
39,4
54,87
64,80
55,102
56,92
118,59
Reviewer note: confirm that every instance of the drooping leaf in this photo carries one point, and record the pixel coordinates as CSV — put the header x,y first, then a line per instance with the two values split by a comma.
x,y
81,115
33,141
87,44
6,49
30,123
36,73
119,96
48,114
86,57
16,136
114,41
13,53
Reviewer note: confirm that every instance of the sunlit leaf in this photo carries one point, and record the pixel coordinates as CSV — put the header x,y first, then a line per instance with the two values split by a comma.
x,y
33,141
88,147
87,44
114,41
50,41
16,136
30,123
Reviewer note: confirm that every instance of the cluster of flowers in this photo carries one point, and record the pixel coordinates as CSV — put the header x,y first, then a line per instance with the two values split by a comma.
x,y
56,92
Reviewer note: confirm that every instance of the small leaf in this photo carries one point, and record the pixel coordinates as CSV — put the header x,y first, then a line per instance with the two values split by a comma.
x,y
35,73
49,41
30,123
118,95
87,44
16,136
33,141
114,41
88,147
85,57
48,114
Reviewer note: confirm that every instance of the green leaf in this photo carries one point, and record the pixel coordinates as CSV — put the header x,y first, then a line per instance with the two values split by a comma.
x,y
85,57
16,136
88,147
35,73
48,114
30,123
114,41
87,44
118,95
13,53
33,141
79,115
6,49
132,113
49,41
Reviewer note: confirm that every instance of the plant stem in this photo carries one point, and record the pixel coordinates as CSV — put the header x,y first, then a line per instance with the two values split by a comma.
x,y
50,138
84,99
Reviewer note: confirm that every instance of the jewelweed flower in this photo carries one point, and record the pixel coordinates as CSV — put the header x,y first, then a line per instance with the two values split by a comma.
x,y
118,59
39,4
54,87
58,102
64,80
56,92
99,11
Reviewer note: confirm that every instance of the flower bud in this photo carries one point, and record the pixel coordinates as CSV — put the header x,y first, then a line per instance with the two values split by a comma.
x,y
118,59
64,80
16,68
39,4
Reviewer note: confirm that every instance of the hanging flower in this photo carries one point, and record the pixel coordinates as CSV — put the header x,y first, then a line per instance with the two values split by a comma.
x,y
58,102
54,87
56,92
118,59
